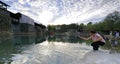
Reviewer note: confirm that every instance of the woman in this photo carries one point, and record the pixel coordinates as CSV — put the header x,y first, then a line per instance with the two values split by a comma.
x,y
98,40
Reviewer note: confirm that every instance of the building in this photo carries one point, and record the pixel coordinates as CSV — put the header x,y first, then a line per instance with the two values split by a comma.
x,y
3,5
22,24
15,20
40,29
27,24
17,23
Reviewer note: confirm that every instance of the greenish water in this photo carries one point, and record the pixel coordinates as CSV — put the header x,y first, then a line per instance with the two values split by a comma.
x,y
14,45
17,44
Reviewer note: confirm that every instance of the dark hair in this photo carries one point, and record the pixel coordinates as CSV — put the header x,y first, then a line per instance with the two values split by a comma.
x,y
93,32
117,30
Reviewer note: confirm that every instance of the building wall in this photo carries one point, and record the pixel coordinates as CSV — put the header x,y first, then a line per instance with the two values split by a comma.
x,y
27,24
24,26
16,28
27,20
31,28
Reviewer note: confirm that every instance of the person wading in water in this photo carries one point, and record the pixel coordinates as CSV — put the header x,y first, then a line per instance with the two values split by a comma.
x,y
97,39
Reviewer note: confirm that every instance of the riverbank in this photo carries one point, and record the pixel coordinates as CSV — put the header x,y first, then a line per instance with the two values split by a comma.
x,y
111,37
112,44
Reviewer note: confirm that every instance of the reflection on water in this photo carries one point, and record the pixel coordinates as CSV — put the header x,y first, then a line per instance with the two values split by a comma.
x,y
44,50
6,49
61,38
15,45
52,53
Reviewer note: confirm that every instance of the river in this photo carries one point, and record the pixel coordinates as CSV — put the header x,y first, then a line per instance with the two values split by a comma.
x,y
53,50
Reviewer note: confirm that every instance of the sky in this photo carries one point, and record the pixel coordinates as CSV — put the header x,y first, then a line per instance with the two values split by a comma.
x,y
57,12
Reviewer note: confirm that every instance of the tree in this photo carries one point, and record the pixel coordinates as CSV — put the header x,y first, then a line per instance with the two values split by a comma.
x,y
113,20
82,26
89,26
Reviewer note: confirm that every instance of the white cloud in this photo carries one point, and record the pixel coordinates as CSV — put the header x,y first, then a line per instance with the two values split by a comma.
x,y
23,1
45,17
7,0
65,11
21,7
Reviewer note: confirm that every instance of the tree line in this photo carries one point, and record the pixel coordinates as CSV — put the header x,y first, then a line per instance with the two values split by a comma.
x,y
111,22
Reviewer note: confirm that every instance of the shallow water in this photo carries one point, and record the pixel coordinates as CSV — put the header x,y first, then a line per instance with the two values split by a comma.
x,y
30,50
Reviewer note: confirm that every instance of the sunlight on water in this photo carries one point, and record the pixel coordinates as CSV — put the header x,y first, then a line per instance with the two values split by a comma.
x,y
64,53
51,51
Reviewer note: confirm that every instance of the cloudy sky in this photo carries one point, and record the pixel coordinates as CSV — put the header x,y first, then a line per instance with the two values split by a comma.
x,y
64,11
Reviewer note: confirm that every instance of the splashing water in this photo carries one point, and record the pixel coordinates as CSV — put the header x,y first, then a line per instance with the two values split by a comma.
x,y
67,11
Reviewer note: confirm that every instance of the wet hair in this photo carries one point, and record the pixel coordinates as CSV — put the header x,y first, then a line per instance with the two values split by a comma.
x,y
93,32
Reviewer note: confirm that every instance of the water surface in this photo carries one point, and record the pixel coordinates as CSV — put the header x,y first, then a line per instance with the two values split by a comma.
x,y
53,50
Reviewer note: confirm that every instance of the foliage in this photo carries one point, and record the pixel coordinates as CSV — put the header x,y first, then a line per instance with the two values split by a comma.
x,y
111,22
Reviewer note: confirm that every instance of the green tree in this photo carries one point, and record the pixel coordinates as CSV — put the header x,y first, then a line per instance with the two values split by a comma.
x,y
82,26
89,26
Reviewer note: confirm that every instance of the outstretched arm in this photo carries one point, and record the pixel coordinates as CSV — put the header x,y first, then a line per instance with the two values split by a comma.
x,y
85,38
